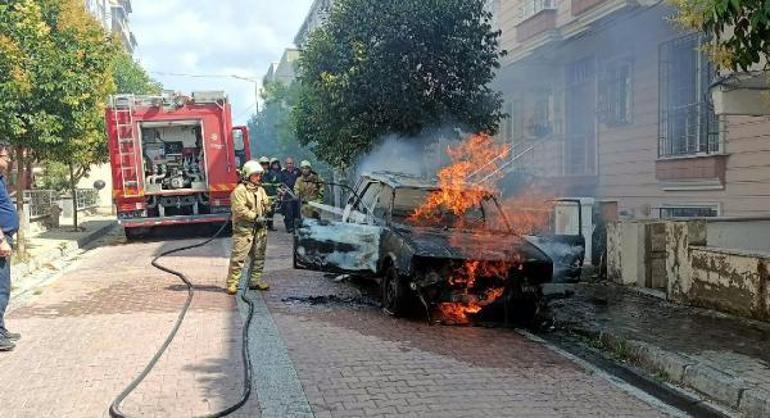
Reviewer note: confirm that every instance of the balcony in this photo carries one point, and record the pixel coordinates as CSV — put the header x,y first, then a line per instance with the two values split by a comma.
x,y
536,24
580,6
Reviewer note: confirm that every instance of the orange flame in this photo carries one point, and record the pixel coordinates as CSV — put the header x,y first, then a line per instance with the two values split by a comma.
x,y
471,177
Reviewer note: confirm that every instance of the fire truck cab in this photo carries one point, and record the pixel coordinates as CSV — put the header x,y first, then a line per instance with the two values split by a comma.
x,y
175,159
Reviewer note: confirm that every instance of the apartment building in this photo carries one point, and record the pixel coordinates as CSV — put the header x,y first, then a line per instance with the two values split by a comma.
x,y
283,71
607,99
318,13
114,16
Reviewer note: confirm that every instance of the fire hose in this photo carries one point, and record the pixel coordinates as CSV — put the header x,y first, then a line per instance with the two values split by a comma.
x,y
115,407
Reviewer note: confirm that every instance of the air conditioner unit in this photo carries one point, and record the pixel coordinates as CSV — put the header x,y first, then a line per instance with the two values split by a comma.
x,y
744,95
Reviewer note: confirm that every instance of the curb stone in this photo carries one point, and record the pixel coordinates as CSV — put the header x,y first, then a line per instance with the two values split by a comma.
x,y
716,384
680,369
755,403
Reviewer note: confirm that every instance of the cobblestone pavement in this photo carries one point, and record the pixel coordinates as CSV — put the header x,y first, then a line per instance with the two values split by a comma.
x,y
90,332
93,329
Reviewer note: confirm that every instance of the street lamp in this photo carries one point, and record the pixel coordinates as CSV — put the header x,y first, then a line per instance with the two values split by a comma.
x,y
256,87
256,82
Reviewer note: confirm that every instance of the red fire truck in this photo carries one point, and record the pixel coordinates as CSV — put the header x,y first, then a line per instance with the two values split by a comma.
x,y
175,159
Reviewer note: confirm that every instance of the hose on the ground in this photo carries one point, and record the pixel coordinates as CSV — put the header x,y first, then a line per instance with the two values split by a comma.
x,y
115,407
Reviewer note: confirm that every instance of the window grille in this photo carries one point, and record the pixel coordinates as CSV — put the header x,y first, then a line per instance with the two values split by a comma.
x,y
687,123
615,93
529,8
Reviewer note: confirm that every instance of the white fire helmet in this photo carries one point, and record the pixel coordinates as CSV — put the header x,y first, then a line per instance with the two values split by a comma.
x,y
252,167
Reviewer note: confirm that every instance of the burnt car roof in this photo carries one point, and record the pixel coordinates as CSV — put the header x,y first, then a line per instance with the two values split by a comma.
x,y
407,181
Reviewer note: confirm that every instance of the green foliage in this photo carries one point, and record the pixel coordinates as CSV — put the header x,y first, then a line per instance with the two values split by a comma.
x,y
740,29
24,49
131,78
396,66
55,176
271,131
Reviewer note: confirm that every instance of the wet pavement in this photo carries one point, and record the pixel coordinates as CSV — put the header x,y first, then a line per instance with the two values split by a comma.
x,y
321,346
734,349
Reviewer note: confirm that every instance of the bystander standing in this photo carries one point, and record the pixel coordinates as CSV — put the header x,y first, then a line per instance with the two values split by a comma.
x,y
9,225
289,204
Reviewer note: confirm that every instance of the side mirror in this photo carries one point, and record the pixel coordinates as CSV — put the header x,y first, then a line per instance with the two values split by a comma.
x,y
99,184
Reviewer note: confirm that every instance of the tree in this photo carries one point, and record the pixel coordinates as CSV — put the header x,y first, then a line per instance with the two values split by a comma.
x,y
396,66
131,78
25,76
271,128
82,67
740,30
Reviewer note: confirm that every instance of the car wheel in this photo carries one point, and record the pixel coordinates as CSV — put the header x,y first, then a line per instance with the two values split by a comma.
x,y
394,293
525,308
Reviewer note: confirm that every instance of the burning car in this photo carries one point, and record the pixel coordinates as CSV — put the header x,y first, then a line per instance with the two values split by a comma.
x,y
455,262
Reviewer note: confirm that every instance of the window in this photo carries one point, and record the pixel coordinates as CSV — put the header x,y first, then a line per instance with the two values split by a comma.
x,y
689,211
512,125
381,206
539,125
687,122
615,91
369,197
529,8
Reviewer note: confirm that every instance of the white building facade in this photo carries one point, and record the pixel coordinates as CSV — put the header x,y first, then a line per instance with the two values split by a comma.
x,y
114,17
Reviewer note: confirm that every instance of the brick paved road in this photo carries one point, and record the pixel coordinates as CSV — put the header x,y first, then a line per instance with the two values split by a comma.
x,y
87,334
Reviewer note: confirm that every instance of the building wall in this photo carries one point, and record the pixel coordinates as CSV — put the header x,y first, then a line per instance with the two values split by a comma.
x,y
627,164
114,17
318,13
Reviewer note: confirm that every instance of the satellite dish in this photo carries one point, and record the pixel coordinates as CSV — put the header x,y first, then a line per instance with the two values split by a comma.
x,y
99,184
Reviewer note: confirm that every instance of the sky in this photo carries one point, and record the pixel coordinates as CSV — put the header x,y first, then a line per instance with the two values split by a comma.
x,y
215,37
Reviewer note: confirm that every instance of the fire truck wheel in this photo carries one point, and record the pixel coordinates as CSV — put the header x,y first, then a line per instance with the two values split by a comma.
x,y
394,293
133,234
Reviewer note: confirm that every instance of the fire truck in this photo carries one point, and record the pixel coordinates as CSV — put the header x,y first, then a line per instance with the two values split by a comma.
x,y
175,159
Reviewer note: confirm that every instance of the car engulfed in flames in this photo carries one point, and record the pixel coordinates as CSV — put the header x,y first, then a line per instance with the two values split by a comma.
x,y
448,244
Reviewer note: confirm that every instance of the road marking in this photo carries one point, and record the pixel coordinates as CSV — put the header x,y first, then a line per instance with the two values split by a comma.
x,y
613,380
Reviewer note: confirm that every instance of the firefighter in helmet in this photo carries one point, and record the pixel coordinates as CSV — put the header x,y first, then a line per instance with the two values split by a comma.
x,y
270,182
308,188
249,207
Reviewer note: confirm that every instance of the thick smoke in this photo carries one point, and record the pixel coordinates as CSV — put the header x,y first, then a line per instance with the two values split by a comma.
x,y
421,155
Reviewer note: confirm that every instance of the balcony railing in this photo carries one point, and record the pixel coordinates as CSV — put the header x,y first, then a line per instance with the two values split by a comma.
x,y
529,8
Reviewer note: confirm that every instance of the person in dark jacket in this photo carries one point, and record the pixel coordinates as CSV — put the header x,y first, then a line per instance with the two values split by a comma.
x,y
270,183
9,225
290,206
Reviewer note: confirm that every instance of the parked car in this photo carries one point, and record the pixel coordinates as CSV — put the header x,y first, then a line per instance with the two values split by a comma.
x,y
375,236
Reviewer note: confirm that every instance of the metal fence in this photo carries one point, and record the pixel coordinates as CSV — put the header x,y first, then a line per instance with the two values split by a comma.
x,y
86,198
39,202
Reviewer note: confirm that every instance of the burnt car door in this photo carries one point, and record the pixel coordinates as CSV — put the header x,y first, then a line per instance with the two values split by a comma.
x,y
565,244
350,244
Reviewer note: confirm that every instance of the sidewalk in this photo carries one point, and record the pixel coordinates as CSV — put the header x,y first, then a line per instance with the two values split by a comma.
x,y
722,357
47,249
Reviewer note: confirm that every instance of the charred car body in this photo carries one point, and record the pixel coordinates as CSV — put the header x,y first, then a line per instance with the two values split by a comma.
x,y
456,266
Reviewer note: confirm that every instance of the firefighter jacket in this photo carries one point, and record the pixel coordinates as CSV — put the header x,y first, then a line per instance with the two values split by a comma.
x,y
248,203
270,181
310,188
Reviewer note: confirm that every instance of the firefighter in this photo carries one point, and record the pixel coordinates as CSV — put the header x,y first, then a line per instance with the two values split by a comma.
x,y
270,182
309,188
249,207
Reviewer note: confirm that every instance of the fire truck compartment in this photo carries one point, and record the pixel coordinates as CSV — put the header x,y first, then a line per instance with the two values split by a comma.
x,y
174,160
